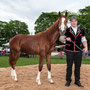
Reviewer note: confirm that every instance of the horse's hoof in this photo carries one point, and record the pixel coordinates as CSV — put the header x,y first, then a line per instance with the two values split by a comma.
x,y
16,80
51,81
38,82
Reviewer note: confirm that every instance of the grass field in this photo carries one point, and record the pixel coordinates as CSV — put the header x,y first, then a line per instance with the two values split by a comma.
x,y
32,61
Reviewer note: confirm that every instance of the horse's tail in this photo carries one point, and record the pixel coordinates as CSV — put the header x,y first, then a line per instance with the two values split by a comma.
x,y
14,50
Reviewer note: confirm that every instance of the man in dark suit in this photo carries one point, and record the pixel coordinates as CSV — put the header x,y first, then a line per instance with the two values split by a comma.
x,y
74,38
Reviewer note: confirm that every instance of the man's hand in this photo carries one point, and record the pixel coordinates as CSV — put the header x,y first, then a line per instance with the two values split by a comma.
x,y
62,38
85,47
85,50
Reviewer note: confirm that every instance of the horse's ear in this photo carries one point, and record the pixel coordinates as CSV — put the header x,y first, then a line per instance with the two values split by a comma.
x,y
59,14
66,14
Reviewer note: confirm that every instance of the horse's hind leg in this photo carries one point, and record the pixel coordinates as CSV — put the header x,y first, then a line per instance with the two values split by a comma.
x,y
12,60
48,60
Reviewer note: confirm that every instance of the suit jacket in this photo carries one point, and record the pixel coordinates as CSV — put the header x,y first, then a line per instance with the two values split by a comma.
x,y
75,38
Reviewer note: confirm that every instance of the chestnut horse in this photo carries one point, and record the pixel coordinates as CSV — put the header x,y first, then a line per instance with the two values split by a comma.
x,y
41,44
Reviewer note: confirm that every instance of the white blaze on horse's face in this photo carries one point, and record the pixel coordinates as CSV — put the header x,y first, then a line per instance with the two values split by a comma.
x,y
63,26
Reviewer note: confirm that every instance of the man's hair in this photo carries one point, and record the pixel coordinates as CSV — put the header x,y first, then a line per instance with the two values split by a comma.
x,y
73,17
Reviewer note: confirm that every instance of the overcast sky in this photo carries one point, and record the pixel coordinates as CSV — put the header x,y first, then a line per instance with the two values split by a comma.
x,y
29,10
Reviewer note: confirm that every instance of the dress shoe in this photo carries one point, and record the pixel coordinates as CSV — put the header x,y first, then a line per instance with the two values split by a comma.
x,y
67,83
78,84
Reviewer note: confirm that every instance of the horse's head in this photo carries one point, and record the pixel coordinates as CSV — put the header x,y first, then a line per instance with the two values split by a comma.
x,y
62,22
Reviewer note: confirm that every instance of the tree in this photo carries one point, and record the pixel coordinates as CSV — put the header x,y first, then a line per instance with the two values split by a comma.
x,y
84,20
44,21
10,29
2,28
2,32
15,27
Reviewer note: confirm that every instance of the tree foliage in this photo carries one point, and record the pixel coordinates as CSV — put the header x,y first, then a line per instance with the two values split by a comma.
x,y
10,29
84,20
44,21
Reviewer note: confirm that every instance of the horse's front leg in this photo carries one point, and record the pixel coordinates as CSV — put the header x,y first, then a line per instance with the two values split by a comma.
x,y
48,59
41,59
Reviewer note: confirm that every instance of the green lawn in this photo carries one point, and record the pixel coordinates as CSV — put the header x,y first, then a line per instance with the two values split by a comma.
x,y
31,61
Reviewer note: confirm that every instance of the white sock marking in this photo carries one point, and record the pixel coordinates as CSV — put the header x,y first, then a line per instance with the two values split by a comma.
x,y
38,78
49,77
13,74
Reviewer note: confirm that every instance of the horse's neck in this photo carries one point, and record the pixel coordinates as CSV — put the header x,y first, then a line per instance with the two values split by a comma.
x,y
53,32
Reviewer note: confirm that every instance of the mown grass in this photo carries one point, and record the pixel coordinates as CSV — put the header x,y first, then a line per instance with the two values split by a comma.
x,y
32,61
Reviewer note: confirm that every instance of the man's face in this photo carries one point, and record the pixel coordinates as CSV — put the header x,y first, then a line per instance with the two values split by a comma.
x,y
74,23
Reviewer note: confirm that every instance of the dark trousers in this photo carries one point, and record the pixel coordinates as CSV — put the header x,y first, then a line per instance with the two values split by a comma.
x,y
76,58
